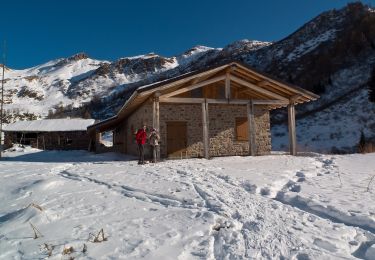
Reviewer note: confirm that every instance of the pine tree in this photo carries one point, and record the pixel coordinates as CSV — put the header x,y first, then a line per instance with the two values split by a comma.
x,y
371,86
319,88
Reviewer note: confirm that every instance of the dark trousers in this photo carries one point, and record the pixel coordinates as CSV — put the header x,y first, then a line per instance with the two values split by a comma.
x,y
141,153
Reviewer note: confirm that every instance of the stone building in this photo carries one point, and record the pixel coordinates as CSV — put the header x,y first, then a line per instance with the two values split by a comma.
x,y
221,111
49,134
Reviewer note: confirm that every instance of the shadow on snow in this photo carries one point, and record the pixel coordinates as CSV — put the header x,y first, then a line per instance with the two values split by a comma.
x,y
67,156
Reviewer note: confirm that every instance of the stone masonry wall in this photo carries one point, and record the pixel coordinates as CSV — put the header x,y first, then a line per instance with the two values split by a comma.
x,y
192,115
143,115
222,123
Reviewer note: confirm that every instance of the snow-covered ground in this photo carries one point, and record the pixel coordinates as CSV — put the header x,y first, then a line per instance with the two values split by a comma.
x,y
270,207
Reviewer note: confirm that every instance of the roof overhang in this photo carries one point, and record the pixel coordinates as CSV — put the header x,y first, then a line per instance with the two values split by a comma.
x,y
239,74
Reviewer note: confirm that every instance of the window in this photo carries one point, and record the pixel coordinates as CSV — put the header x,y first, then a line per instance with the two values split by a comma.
x,y
242,129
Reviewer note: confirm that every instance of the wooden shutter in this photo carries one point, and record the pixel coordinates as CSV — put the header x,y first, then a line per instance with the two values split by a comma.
x,y
242,129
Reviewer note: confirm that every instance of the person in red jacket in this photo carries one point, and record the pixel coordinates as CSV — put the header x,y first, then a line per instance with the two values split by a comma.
x,y
141,138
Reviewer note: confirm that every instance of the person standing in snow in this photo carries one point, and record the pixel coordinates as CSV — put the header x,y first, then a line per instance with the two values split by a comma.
x,y
154,139
141,137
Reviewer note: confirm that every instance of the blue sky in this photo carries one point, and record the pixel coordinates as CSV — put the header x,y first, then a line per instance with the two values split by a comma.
x,y
41,30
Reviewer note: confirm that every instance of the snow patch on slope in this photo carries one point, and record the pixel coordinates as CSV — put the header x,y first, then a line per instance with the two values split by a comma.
x,y
310,45
249,45
193,54
333,129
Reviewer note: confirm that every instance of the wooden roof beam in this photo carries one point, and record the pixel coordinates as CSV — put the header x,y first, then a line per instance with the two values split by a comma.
x,y
180,81
194,86
263,83
252,93
223,101
294,89
258,89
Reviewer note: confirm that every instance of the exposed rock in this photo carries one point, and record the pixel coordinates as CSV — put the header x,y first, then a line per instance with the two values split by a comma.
x,y
78,56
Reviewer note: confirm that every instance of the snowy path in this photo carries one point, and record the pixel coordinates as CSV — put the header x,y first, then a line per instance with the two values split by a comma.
x,y
189,209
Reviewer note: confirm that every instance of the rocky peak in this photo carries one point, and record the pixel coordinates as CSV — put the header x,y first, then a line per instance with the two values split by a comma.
x,y
74,58
78,56
245,46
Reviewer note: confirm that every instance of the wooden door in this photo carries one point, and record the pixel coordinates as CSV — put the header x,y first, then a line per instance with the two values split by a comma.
x,y
176,139
242,129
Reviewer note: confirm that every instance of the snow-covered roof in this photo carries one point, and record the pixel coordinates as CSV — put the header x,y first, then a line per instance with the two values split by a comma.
x,y
50,125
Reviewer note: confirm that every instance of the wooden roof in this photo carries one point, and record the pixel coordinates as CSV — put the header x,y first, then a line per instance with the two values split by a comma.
x,y
261,86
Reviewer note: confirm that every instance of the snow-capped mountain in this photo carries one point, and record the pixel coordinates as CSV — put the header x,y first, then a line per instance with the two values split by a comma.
x,y
36,90
332,55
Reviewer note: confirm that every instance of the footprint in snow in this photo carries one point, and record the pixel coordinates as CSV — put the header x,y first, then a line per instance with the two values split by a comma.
x,y
265,191
325,245
294,187
303,256
300,174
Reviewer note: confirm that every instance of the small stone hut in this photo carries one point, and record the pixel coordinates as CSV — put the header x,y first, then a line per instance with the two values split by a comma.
x,y
49,134
219,111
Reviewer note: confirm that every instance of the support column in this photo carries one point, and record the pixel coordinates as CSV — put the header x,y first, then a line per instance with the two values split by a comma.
x,y
98,140
292,129
155,112
156,119
251,128
206,141
227,86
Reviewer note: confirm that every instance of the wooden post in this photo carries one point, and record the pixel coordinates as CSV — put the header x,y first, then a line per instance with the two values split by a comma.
x,y
227,86
44,143
156,112
156,120
251,128
37,141
21,138
98,140
206,141
292,129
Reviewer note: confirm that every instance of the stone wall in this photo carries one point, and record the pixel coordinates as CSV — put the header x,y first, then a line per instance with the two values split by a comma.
x,y
143,115
222,132
222,122
192,115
